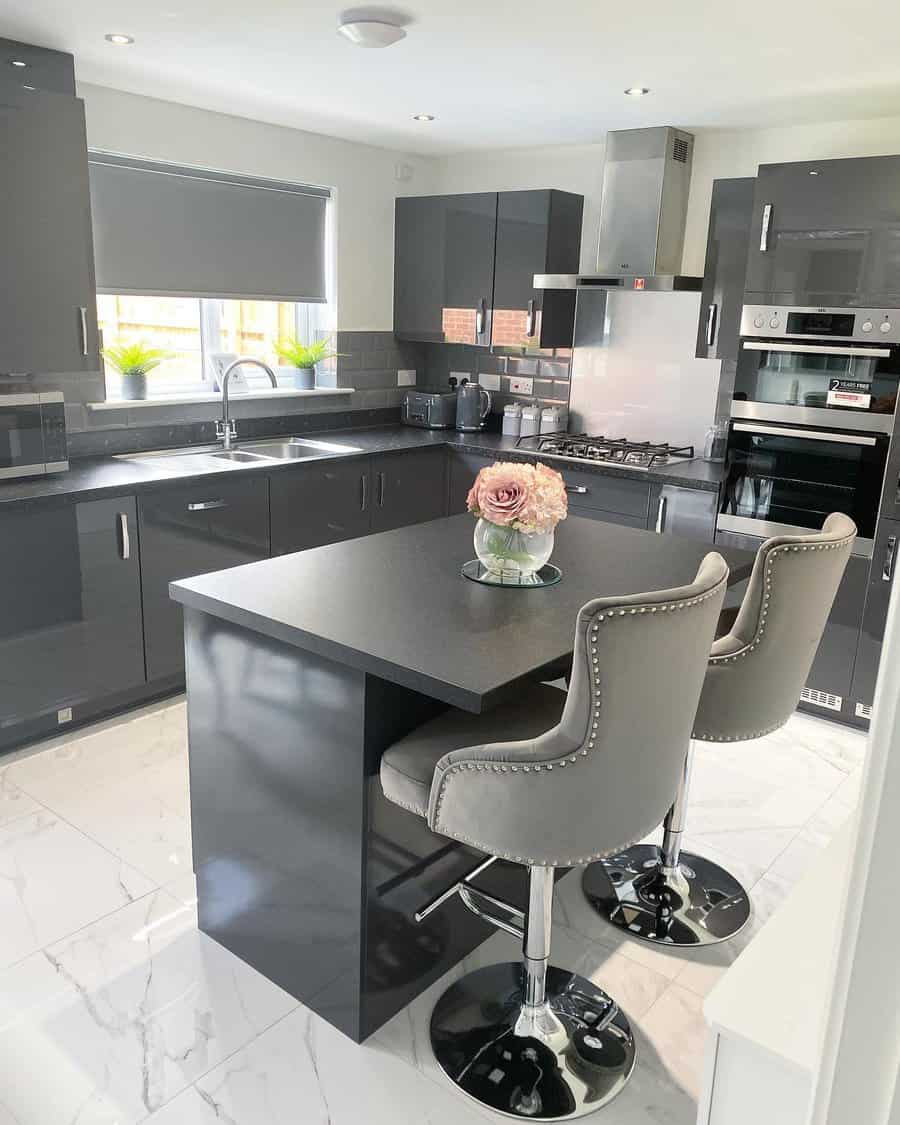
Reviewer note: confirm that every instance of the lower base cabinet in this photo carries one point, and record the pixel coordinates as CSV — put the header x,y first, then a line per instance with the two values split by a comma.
x,y
874,615
186,531
690,512
408,487
70,611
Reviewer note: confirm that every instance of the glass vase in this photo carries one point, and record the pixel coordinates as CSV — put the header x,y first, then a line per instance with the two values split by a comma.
x,y
509,555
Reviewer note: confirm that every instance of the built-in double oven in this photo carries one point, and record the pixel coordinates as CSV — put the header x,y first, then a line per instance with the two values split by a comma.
x,y
811,420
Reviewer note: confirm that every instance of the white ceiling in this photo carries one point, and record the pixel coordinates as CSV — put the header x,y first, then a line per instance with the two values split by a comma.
x,y
495,73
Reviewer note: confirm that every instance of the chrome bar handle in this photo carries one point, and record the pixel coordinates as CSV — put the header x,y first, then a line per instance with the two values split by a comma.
x,y
206,505
529,319
578,489
381,490
124,538
766,222
711,325
661,514
364,491
479,317
82,310
887,571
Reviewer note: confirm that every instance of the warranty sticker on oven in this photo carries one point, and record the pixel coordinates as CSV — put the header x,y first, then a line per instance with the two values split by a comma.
x,y
849,392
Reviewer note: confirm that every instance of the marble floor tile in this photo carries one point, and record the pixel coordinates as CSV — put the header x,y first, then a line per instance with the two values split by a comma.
x,y
53,881
13,802
111,1023
677,1030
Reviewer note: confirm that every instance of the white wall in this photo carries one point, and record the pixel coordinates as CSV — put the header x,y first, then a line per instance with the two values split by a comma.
x,y
363,178
717,154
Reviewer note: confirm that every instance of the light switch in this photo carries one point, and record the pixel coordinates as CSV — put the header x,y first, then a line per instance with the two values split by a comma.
x,y
518,386
489,382
406,378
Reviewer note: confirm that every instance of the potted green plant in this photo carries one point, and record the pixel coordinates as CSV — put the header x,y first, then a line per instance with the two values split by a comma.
x,y
134,362
301,360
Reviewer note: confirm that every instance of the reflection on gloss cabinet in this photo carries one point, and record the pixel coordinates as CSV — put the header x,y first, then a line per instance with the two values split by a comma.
x,y
878,595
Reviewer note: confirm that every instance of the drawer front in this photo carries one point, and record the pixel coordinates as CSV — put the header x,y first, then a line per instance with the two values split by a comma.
x,y
211,525
608,517
595,490
319,504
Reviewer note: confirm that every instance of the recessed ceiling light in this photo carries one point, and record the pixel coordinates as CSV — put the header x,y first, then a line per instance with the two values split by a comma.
x,y
371,33
814,172
118,39
637,91
19,63
423,117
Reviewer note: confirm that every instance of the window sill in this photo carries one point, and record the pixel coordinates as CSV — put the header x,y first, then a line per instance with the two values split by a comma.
x,y
215,396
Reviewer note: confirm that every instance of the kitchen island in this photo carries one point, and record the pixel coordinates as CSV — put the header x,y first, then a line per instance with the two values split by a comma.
x,y
301,670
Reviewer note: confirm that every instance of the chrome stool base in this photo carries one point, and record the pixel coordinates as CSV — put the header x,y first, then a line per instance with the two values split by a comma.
x,y
555,1062
698,904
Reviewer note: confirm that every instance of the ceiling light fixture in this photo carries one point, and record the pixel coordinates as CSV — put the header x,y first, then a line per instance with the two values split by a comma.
x,y
814,172
118,39
423,117
371,33
637,91
19,63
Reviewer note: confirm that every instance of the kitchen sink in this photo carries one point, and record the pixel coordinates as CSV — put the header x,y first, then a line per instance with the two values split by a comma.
x,y
294,448
252,453
235,455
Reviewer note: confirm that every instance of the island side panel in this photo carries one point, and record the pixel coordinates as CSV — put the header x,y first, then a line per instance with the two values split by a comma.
x,y
278,795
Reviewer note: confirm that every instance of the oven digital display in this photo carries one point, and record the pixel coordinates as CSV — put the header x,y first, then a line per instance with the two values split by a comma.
x,y
820,324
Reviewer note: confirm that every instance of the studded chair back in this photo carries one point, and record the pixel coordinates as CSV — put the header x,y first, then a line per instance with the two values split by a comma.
x,y
757,671
604,776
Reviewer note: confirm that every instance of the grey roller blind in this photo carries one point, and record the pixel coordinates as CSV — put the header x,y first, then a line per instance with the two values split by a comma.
x,y
162,229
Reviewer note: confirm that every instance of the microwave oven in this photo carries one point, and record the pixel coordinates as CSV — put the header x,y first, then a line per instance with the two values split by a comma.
x,y
32,435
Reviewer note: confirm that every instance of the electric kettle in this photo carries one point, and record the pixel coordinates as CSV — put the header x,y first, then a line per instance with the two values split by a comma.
x,y
472,405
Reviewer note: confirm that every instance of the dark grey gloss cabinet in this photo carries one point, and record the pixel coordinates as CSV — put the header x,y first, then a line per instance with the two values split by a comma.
x,y
320,503
408,487
444,267
825,232
689,512
190,530
833,668
70,610
48,313
874,616
537,232
727,242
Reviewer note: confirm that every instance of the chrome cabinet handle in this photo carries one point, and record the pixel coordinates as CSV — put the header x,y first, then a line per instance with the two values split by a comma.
x,y
206,505
381,490
711,326
363,491
661,515
124,538
479,317
82,310
766,222
887,571
529,319
578,489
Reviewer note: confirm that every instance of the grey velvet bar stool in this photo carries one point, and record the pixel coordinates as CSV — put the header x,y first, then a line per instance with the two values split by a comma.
x,y
555,780
753,683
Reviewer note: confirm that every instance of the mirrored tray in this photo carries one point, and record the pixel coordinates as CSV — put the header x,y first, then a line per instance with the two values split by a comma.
x,y
475,570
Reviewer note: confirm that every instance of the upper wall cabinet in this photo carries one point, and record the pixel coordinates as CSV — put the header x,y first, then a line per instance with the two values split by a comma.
x,y
730,216
48,320
465,264
826,233
43,69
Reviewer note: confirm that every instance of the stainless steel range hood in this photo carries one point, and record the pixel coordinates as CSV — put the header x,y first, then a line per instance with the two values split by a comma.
x,y
646,179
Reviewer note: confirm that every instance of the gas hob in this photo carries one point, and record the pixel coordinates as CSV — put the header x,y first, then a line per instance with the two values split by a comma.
x,y
607,451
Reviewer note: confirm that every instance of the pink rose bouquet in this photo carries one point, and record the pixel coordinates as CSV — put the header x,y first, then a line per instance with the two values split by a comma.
x,y
526,498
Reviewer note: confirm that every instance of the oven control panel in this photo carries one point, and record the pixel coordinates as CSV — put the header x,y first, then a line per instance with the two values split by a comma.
x,y
870,326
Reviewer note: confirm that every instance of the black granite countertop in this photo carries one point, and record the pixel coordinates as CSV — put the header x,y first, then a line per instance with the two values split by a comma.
x,y
490,638
91,478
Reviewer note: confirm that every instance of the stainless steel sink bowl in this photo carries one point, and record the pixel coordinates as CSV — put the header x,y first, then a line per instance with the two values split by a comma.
x,y
296,448
210,457
235,455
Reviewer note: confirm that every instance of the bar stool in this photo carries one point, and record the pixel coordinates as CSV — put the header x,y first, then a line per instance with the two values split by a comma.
x,y
555,780
755,676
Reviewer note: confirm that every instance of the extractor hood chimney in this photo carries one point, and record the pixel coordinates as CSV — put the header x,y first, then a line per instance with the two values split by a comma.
x,y
646,179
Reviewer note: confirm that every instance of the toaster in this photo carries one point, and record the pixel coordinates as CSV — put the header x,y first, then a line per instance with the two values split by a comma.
x,y
432,410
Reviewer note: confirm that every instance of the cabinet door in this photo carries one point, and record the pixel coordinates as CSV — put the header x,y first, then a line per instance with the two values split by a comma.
x,y
730,216
537,232
690,512
832,670
48,307
464,468
319,504
878,596
211,525
409,487
444,267
70,606
826,233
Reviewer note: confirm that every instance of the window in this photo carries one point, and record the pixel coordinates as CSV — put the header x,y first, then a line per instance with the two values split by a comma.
x,y
195,330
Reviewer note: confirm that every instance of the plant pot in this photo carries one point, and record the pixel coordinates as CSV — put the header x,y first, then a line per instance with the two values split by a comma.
x,y
134,387
508,553
304,378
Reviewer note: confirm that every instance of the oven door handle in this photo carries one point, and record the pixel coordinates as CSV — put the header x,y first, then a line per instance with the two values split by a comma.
x,y
818,435
816,349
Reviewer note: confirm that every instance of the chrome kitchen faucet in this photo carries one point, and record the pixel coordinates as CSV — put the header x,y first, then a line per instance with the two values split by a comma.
x,y
226,429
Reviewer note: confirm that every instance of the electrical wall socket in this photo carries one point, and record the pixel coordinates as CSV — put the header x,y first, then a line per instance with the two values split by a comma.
x,y
521,386
489,382
406,378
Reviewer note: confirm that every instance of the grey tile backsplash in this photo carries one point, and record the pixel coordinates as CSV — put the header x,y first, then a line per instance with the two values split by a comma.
x,y
549,373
